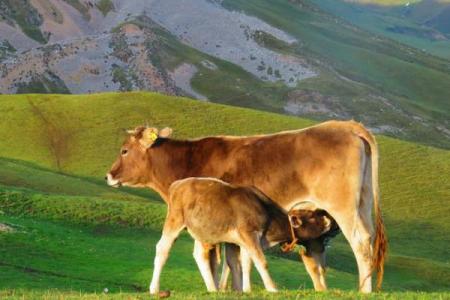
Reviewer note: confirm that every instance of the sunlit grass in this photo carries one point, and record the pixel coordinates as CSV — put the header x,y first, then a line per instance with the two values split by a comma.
x,y
75,236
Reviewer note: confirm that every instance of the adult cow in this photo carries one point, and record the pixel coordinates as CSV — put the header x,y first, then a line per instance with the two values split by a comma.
x,y
333,165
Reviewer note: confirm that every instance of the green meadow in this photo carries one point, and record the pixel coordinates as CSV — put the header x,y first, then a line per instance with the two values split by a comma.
x,y
66,235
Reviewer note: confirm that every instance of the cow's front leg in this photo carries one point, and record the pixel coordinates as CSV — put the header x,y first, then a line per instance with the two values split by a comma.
x,y
162,253
315,263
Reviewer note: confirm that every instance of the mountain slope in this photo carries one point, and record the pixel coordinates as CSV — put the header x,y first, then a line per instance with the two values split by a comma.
x,y
281,56
420,24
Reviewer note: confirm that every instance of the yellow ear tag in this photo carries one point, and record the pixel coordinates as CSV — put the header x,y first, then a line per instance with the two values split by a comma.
x,y
153,136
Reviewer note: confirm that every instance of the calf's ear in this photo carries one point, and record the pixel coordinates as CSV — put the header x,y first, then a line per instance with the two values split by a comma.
x,y
327,223
165,132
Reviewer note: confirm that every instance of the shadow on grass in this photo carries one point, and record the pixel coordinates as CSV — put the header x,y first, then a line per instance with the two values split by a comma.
x,y
99,182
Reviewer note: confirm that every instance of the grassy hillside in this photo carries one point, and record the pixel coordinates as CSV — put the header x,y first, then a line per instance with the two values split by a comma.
x,y
359,69
412,25
72,233
349,50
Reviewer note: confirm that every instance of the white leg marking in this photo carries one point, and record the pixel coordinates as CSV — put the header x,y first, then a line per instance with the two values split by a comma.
x,y
253,247
246,263
162,253
202,259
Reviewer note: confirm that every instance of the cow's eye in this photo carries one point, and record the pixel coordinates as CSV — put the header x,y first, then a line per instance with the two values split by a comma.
x,y
124,151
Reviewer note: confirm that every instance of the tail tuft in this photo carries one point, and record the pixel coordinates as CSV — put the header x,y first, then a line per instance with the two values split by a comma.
x,y
379,248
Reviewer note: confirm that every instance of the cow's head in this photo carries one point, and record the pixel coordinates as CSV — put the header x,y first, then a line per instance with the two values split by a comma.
x,y
310,224
132,165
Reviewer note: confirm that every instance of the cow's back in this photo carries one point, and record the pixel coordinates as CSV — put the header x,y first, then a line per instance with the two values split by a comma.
x,y
289,165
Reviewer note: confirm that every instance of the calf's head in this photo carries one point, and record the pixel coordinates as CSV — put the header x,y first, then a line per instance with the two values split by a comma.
x,y
132,166
310,224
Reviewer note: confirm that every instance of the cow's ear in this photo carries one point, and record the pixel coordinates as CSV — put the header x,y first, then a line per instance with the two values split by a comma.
x,y
295,221
149,136
165,132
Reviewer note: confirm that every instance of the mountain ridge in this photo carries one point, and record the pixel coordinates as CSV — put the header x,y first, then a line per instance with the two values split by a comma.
x,y
317,65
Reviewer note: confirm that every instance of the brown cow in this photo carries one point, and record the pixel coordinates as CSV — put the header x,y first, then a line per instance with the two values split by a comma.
x,y
214,211
333,165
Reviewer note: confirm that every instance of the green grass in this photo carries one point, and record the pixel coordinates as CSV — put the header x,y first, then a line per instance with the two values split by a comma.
x,y
44,257
75,236
300,294
82,209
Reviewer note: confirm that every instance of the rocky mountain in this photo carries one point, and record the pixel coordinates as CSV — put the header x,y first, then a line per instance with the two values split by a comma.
x,y
92,46
283,56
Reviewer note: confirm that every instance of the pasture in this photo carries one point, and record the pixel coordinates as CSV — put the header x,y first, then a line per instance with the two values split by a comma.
x,y
70,236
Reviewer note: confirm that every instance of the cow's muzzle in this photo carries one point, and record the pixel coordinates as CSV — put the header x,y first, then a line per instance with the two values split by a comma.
x,y
111,181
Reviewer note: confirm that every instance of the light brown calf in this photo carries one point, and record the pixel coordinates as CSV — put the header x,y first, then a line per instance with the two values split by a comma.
x,y
214,211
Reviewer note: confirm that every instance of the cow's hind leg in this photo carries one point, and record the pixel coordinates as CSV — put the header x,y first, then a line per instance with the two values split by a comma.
x,y
202,257
315,263
362,247
232,253
359,234
214,262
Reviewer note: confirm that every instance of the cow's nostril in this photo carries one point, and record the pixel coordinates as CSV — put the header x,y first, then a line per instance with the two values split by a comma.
x,y
106,177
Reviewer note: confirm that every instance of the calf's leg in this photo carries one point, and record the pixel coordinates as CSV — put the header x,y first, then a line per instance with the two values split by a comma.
x,y
251,243
315,264
201,256
246,263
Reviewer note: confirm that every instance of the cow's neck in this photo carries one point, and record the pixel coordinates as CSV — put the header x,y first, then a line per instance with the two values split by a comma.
x,y
170,161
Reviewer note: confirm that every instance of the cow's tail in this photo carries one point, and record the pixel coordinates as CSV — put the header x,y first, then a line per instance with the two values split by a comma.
x,y
380,243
